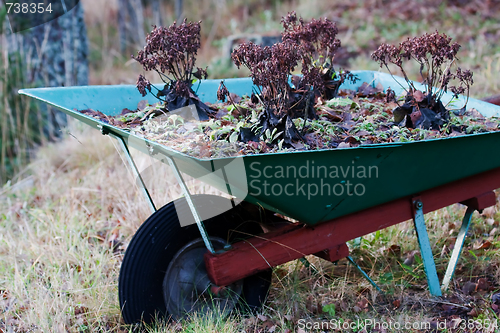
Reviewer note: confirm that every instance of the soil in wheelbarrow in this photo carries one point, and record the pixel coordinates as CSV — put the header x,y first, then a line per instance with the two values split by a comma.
x,y
363,117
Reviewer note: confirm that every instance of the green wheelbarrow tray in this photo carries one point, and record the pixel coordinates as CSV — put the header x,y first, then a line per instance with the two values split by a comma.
x,y
309,186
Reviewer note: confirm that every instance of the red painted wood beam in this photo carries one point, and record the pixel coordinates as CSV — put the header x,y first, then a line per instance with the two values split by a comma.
x,y
335,253
482,201
292,242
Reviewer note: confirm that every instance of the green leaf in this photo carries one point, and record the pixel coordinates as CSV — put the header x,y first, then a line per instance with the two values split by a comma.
x,y
174,118
280,144
473,254
409,270
418,259
233,138
330,309
341,102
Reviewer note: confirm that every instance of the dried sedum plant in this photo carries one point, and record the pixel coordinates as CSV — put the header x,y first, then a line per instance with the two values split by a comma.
x,y
171,52
311,45
435,54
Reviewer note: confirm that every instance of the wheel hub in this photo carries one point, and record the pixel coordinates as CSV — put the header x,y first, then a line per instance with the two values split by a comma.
x,y
186,287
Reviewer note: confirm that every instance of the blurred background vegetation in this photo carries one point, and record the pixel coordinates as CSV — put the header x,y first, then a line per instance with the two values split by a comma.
x,y
116,28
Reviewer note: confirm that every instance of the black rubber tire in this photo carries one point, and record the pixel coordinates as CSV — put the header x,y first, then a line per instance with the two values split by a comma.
x,y
156,242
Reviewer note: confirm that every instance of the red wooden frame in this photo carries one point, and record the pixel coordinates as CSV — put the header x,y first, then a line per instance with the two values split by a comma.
x,y
295,241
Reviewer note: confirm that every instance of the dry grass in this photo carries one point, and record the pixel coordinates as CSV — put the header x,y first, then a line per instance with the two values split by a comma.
x,y
63,230
58,232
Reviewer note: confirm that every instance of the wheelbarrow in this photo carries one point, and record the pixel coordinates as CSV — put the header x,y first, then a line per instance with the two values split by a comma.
x,y
206,252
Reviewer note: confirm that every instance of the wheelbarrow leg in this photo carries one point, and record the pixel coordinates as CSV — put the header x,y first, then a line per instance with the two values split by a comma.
x,y
187,195
459,243
425,248
135,171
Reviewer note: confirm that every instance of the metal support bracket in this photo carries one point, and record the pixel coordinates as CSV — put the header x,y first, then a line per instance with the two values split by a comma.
x,y
135,170
425,248
351,260
189,200
459,243
179,178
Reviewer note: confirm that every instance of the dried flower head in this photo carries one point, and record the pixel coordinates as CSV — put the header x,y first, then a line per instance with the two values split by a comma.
x,y
270,68
317,38
317,45
143,84
201,73
435,53
465,82
222,92
171,52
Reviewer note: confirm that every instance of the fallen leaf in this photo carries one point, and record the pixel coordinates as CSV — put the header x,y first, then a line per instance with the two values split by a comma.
x,y
344,145
362,133
352,140
269,326
81,310
473,313
261,317
419,96
367,90
298,145
469,288
484,246
483,284
394,250
235,98
489,212
141,105
252,321
363,303
344,306
396,303
329,113
410,259
473,113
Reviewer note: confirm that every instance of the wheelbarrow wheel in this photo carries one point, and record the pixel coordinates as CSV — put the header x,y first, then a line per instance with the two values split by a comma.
x,y
163,275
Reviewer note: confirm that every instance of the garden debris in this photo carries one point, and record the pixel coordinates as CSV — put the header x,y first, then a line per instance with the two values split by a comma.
x,y
343,122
